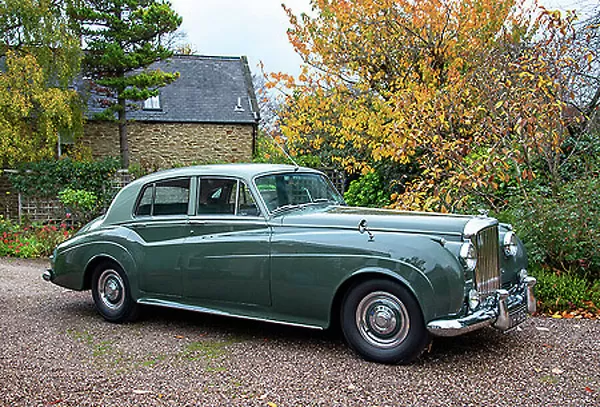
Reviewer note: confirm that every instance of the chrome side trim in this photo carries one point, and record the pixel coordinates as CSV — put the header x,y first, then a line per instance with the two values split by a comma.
x,y
204,310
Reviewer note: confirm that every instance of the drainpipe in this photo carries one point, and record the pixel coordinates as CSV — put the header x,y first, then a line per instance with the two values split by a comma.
x,y
254,134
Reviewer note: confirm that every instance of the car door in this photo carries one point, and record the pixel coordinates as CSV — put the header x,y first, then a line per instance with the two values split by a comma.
x,y
227,252
161,223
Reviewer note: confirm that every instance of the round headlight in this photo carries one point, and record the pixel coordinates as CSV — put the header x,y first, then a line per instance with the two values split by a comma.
x,y
468,254
509,245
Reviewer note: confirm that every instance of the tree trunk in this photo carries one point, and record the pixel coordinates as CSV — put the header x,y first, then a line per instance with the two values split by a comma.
x,y
123,140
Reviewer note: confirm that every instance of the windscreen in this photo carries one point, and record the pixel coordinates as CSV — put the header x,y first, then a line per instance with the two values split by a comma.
x,y
294,189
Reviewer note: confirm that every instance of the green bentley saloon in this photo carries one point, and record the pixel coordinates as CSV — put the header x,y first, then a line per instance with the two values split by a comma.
x,y
277,243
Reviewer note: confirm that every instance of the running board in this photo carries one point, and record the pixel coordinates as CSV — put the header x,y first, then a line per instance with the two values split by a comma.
x,y
204,310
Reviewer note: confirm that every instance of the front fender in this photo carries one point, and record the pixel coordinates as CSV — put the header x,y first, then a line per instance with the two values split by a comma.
x,y
427,269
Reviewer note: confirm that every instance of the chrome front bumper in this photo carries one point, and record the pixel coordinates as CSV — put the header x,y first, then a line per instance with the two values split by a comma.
x,y
503,311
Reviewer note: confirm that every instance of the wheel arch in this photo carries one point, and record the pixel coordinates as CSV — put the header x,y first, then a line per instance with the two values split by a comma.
x,y
361,276
91,266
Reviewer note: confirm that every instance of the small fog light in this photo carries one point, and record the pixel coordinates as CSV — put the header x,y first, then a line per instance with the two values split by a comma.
x,y
522,275
473,299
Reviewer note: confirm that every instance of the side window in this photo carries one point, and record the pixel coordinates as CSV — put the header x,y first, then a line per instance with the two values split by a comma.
x,y
172,197
217,196
247,205
165,198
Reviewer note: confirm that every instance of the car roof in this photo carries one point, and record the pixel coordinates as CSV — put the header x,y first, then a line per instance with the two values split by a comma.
x,y
122,206
246,171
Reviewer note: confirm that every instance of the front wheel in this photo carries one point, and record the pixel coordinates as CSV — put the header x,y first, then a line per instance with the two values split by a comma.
x,y
382,322
111,294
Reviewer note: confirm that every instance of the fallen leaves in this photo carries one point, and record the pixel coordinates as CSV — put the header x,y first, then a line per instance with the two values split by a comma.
x,y
586,310
580,313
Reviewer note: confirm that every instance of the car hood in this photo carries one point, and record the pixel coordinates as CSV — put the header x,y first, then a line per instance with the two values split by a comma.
x,y
378,219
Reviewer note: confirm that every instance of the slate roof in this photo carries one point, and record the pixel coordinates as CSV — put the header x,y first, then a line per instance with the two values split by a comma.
x,y
207,91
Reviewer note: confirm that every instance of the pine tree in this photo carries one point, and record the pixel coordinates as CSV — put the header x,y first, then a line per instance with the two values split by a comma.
x,y
121,39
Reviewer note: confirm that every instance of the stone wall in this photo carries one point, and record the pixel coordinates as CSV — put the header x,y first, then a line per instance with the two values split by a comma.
x,y
162,145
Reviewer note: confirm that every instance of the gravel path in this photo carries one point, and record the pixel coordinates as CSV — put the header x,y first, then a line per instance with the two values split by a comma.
x,y
55,350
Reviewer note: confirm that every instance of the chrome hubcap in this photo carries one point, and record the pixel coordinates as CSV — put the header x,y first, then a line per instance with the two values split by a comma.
x,y
111,289
382,320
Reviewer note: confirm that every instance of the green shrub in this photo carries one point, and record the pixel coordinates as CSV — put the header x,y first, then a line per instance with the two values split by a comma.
x,y
563,231
47,178
82,204
369,191
563,291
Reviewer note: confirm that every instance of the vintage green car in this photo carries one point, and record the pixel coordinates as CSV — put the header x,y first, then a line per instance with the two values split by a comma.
x,y
277,243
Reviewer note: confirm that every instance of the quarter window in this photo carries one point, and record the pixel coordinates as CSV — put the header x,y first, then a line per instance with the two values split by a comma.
x,y
246,206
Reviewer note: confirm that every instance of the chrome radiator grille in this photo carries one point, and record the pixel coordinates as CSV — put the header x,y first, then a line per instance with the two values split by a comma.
x,y
487,273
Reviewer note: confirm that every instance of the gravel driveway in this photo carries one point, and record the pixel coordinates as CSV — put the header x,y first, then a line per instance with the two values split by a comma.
x,y
57,351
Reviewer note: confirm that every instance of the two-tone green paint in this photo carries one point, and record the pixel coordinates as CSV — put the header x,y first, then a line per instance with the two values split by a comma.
x,y
290,268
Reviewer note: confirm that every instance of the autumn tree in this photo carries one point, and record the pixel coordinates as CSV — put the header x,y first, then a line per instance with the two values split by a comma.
x,y
583,71
462,91
122,38
39,57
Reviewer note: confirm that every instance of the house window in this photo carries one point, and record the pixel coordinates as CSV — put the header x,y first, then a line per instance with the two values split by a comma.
x,y
152,103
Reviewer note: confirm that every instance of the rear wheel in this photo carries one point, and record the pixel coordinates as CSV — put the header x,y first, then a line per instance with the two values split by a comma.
x,y
112,295
382,322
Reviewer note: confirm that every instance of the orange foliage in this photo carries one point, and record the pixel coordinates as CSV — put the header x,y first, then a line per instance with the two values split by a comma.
x,y
467,90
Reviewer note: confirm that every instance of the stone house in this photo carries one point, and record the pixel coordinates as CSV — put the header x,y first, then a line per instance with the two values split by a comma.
x,y
209,114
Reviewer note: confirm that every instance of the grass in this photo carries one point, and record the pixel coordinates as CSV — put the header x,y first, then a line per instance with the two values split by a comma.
x,y
205,350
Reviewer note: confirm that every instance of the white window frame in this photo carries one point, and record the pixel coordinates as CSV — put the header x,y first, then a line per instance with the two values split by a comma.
x,y
152,103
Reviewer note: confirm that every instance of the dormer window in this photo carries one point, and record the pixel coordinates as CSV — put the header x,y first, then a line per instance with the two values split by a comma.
x,y
152,103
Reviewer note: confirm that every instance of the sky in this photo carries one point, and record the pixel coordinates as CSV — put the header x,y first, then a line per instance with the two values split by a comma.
x,y
257,29
254,28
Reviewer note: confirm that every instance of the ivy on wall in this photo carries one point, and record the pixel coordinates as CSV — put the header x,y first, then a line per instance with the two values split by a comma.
x,y
45,179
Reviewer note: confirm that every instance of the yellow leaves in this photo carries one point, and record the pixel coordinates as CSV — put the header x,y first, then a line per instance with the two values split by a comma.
x,y
31,113
589,57
439,91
